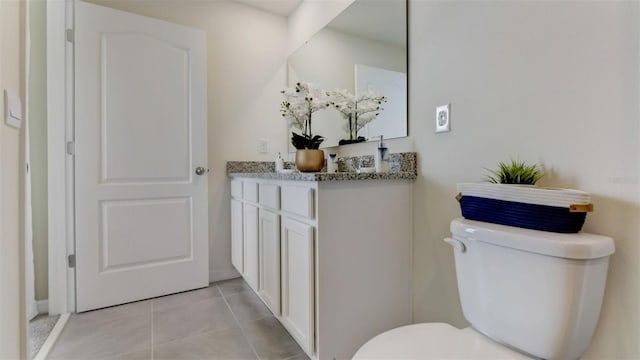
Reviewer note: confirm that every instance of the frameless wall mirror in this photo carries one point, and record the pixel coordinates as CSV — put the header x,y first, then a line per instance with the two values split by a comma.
x,y
364,49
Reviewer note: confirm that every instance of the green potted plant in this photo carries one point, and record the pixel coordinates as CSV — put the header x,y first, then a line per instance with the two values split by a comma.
x,y
515,172
300,102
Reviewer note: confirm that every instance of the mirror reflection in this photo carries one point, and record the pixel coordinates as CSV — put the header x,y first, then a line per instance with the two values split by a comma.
x,y
362,52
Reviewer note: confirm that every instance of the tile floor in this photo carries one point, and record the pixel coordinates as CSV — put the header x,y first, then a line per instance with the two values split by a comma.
x,y
223,321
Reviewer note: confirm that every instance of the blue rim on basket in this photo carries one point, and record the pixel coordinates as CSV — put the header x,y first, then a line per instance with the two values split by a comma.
x,y
530,216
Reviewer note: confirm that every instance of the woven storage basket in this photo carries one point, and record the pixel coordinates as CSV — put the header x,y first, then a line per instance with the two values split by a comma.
x,y
547,209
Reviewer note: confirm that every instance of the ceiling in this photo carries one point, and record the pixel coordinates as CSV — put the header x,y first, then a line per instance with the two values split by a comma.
x,y
281,7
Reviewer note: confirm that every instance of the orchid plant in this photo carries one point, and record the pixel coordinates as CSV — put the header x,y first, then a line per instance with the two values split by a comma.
x,y
357,110
300,102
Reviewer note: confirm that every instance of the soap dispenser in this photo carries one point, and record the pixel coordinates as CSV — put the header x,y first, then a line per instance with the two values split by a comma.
x,y
279,163
382,157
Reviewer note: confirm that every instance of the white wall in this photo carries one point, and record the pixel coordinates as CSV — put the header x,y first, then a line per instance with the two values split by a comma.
x,y
12,309
549,82
246,51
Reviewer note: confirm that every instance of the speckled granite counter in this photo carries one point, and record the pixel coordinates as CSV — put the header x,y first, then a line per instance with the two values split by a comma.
x,y
403,166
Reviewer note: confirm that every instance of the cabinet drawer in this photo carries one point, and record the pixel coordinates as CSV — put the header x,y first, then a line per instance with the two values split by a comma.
x,y
250,191
236,189
270,196
298,200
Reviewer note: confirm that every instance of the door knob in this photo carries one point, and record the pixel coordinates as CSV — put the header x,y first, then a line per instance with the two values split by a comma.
x,y
201,171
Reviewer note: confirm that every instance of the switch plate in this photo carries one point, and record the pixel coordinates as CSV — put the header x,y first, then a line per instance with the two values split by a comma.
x,y
443,122
263,146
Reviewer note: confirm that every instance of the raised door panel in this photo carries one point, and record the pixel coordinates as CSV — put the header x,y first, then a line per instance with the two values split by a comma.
x,y
251,260
269,196
298,200
269,287
298,282
132,109
236,189
237,242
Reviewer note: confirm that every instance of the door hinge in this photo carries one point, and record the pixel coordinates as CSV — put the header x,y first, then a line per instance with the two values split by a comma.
x,y
71,259
71,147
69,35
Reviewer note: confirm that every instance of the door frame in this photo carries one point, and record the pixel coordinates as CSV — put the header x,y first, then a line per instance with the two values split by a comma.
x,y
60,130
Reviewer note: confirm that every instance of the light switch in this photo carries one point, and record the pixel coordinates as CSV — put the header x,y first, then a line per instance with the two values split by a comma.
x,y
12,109
263,146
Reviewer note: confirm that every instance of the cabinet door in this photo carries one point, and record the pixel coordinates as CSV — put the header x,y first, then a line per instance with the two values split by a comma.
x,y
237,247
269,287
298,282
251,245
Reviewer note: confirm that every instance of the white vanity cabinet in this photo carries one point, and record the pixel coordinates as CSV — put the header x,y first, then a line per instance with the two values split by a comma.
x,y
269,238
298,282
330,259
237,237
251,246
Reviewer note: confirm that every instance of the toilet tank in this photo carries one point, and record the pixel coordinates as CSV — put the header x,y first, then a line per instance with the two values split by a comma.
x,y
536,291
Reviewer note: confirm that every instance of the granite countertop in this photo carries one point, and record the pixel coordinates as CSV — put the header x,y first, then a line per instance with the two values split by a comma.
x,y
403,166
323,176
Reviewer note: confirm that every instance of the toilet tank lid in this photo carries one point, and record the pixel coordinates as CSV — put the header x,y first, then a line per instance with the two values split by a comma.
x,y
570,246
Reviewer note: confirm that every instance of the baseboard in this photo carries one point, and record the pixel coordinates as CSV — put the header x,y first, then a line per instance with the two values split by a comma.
x,y
43,306
223,275
53,337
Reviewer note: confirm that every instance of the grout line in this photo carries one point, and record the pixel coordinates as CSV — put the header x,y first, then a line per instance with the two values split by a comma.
x,y
238,323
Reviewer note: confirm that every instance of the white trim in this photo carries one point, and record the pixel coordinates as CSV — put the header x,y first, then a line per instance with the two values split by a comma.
x,y
42,306
60,166
52,338
70,160
29,266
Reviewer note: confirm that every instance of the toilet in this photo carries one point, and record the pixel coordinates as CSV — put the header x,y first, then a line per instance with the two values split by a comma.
x,y
527,294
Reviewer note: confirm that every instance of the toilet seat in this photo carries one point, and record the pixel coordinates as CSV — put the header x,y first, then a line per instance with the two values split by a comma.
x,y
434,341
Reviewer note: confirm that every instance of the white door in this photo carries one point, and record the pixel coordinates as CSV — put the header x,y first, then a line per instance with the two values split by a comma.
x,y
140,132
236,236
251,245
298,282
269,287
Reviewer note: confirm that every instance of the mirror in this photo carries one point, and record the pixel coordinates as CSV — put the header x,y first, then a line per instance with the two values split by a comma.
x,y
363,49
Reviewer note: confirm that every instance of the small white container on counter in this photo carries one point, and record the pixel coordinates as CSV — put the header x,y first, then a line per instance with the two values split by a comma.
x,y
279,163
332,164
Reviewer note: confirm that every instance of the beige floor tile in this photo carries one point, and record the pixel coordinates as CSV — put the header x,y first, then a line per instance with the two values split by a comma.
x,y
301,356
184,321
220,344
112,313
82,340
185,298
137,355
199,324
233,286
246,306
270,339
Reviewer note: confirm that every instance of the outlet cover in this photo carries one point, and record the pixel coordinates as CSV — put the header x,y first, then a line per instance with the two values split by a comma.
x,y
443,122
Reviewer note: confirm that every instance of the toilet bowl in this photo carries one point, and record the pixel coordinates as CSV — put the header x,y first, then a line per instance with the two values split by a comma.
x,y
434,341
527,294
